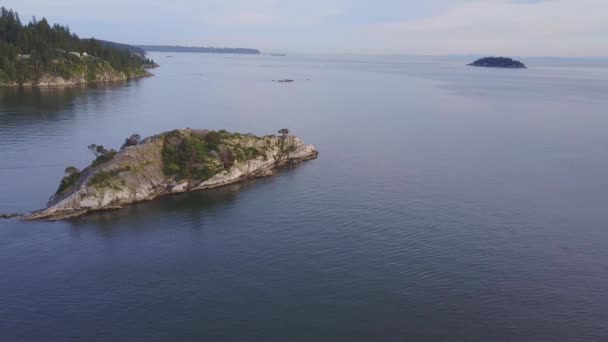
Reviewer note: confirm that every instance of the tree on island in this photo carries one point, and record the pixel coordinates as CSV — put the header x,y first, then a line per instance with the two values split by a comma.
x,y
97,150
101,154
70,170
133,140
498,62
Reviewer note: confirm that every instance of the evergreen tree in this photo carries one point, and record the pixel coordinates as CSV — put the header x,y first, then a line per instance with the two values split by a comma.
x,y
27,52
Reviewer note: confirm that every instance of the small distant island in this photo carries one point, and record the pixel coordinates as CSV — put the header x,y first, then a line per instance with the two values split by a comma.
x,y
163,48
40,54
178,161
498,62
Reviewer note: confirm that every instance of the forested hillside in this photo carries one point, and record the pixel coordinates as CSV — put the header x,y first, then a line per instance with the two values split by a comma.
x,y
37,50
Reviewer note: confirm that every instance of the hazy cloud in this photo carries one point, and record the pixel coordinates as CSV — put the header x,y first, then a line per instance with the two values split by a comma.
x,y
558,27
509,27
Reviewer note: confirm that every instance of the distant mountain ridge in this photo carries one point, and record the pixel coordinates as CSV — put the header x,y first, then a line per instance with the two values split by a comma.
x,y
125,47
177,48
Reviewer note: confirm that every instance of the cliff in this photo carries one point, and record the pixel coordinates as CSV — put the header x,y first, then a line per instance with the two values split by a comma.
x,y
91,72
172,162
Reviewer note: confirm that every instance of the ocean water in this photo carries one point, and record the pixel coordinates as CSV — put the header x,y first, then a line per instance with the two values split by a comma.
x,y
448,203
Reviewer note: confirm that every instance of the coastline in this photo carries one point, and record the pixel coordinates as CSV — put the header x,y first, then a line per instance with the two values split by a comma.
x,y
145,171
49,81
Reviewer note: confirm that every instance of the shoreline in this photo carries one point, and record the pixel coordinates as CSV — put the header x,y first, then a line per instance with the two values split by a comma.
x,y
30,216
139,173
68,83
67,215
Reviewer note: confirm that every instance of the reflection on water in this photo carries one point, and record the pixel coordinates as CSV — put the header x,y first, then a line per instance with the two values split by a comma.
x,y
192,206
43,99
32,105
44,130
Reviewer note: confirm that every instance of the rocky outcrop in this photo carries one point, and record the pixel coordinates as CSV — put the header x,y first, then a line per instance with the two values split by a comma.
x,y
53,80
104,73
8,215
173,162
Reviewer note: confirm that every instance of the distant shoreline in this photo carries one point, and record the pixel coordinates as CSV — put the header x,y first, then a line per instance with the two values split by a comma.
x,y
164,48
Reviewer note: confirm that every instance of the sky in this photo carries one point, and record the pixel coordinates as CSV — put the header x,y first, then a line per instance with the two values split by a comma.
x,y
567,28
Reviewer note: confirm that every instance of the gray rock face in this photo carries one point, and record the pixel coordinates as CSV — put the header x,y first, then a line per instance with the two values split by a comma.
x,y
106,76
138,173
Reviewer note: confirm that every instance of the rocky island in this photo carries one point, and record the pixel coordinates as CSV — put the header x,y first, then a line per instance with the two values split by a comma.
x,y
168,163
38,54
498,62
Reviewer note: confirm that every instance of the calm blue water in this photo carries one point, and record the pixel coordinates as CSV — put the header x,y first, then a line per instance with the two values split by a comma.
x,y
448,203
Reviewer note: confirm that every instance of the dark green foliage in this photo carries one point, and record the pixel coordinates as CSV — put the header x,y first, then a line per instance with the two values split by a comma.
x,y
97,150
101,179
200,157
186,157
101,154
129,48
251,153
27,52
214,139
104,157
104,179
72,176
133,140
286,145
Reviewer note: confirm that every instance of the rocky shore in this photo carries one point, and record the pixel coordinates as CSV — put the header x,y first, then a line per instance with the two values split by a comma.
x,y
172,162
55,80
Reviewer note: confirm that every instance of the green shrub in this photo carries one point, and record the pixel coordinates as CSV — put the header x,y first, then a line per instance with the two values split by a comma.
x,y
185,157
104,179
201,157
72,176
252,152
101,180
213,140
104,158
4,77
